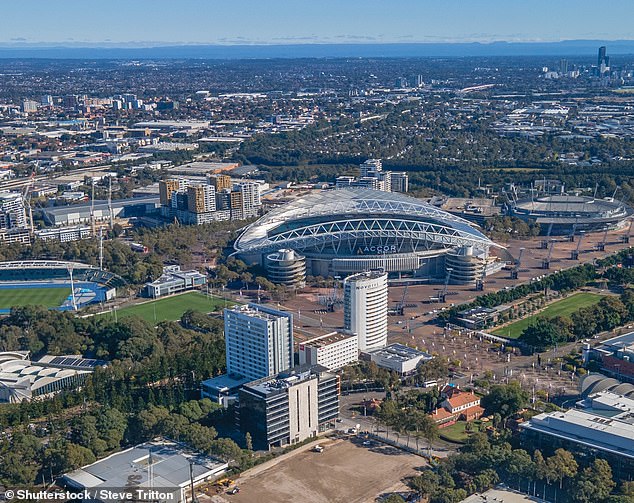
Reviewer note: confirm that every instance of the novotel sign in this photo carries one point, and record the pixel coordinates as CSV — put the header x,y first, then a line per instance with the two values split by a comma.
x,y
362,250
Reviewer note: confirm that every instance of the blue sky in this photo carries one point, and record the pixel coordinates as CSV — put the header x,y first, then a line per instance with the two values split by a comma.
x,y
148,22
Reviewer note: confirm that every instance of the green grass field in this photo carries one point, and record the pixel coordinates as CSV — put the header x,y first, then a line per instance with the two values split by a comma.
x,y
562,307
47,297
172,308
456,432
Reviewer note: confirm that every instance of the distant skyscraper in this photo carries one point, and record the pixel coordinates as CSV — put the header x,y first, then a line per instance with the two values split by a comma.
x,y
258,340
603,60
602,53
365,308
563,66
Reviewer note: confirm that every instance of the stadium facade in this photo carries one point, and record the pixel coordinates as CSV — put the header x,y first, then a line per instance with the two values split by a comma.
x,y
564,214
342,232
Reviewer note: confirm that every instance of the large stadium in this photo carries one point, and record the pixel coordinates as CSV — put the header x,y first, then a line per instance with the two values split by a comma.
x,y
564,214
352,230
48,283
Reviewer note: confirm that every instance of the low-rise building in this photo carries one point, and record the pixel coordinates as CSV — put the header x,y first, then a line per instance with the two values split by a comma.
x,y
290,407
604,427
23,379
397,357
174,280
457,405
64,234
168,468
333,350
615,357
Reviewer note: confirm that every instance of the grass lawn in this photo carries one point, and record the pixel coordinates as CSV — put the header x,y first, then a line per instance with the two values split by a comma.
x,y
47,297
562,307
456,432
172,308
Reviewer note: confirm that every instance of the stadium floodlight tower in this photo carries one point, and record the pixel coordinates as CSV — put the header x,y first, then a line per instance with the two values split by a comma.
x,y
574,254
544,243
515,272
625,238
69,266
604,240
547,260
442,296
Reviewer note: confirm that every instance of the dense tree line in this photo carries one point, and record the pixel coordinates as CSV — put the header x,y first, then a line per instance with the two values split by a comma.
x,y
141,393
609,313
486,460
562,281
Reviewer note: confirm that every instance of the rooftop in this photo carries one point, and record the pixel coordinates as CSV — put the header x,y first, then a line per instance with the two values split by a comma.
x,y
326,339
258,311
399,352
273,385
610,434
170,467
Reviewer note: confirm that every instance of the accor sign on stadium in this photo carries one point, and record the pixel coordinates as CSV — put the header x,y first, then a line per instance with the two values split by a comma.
x,y
362,250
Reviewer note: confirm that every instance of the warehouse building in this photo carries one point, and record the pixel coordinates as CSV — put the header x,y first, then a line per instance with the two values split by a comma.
x,y
168,468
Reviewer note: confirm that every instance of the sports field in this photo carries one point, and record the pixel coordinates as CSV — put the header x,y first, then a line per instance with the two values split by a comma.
x,y
47,297
172,308
564,307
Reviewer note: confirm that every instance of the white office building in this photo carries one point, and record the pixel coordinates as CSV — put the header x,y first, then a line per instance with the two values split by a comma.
x,y
365,308
258,340
333,350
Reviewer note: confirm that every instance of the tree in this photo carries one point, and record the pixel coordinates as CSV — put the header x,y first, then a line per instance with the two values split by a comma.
x,y
248,441
425,484
505,399
542,334
594,483
520,465
226,449
394,498
562,465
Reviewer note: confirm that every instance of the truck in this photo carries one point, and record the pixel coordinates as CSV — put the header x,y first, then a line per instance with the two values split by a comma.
x,y
318,448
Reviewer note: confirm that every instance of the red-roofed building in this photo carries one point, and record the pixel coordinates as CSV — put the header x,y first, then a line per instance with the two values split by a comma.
x,y
443,417
460,405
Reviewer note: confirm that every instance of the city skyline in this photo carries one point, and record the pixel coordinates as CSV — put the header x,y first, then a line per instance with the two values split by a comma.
x,y
283,22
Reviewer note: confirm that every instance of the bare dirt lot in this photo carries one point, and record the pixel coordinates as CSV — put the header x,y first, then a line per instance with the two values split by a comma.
x,y
345,472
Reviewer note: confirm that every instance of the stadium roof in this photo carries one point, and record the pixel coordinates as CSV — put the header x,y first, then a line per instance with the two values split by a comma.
x,y
356,212
22,379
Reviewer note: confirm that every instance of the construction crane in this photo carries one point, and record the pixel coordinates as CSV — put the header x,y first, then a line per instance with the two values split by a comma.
x,y
604,241
442,296
515,272
400,307
543,245
625,238
574,254
546,261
